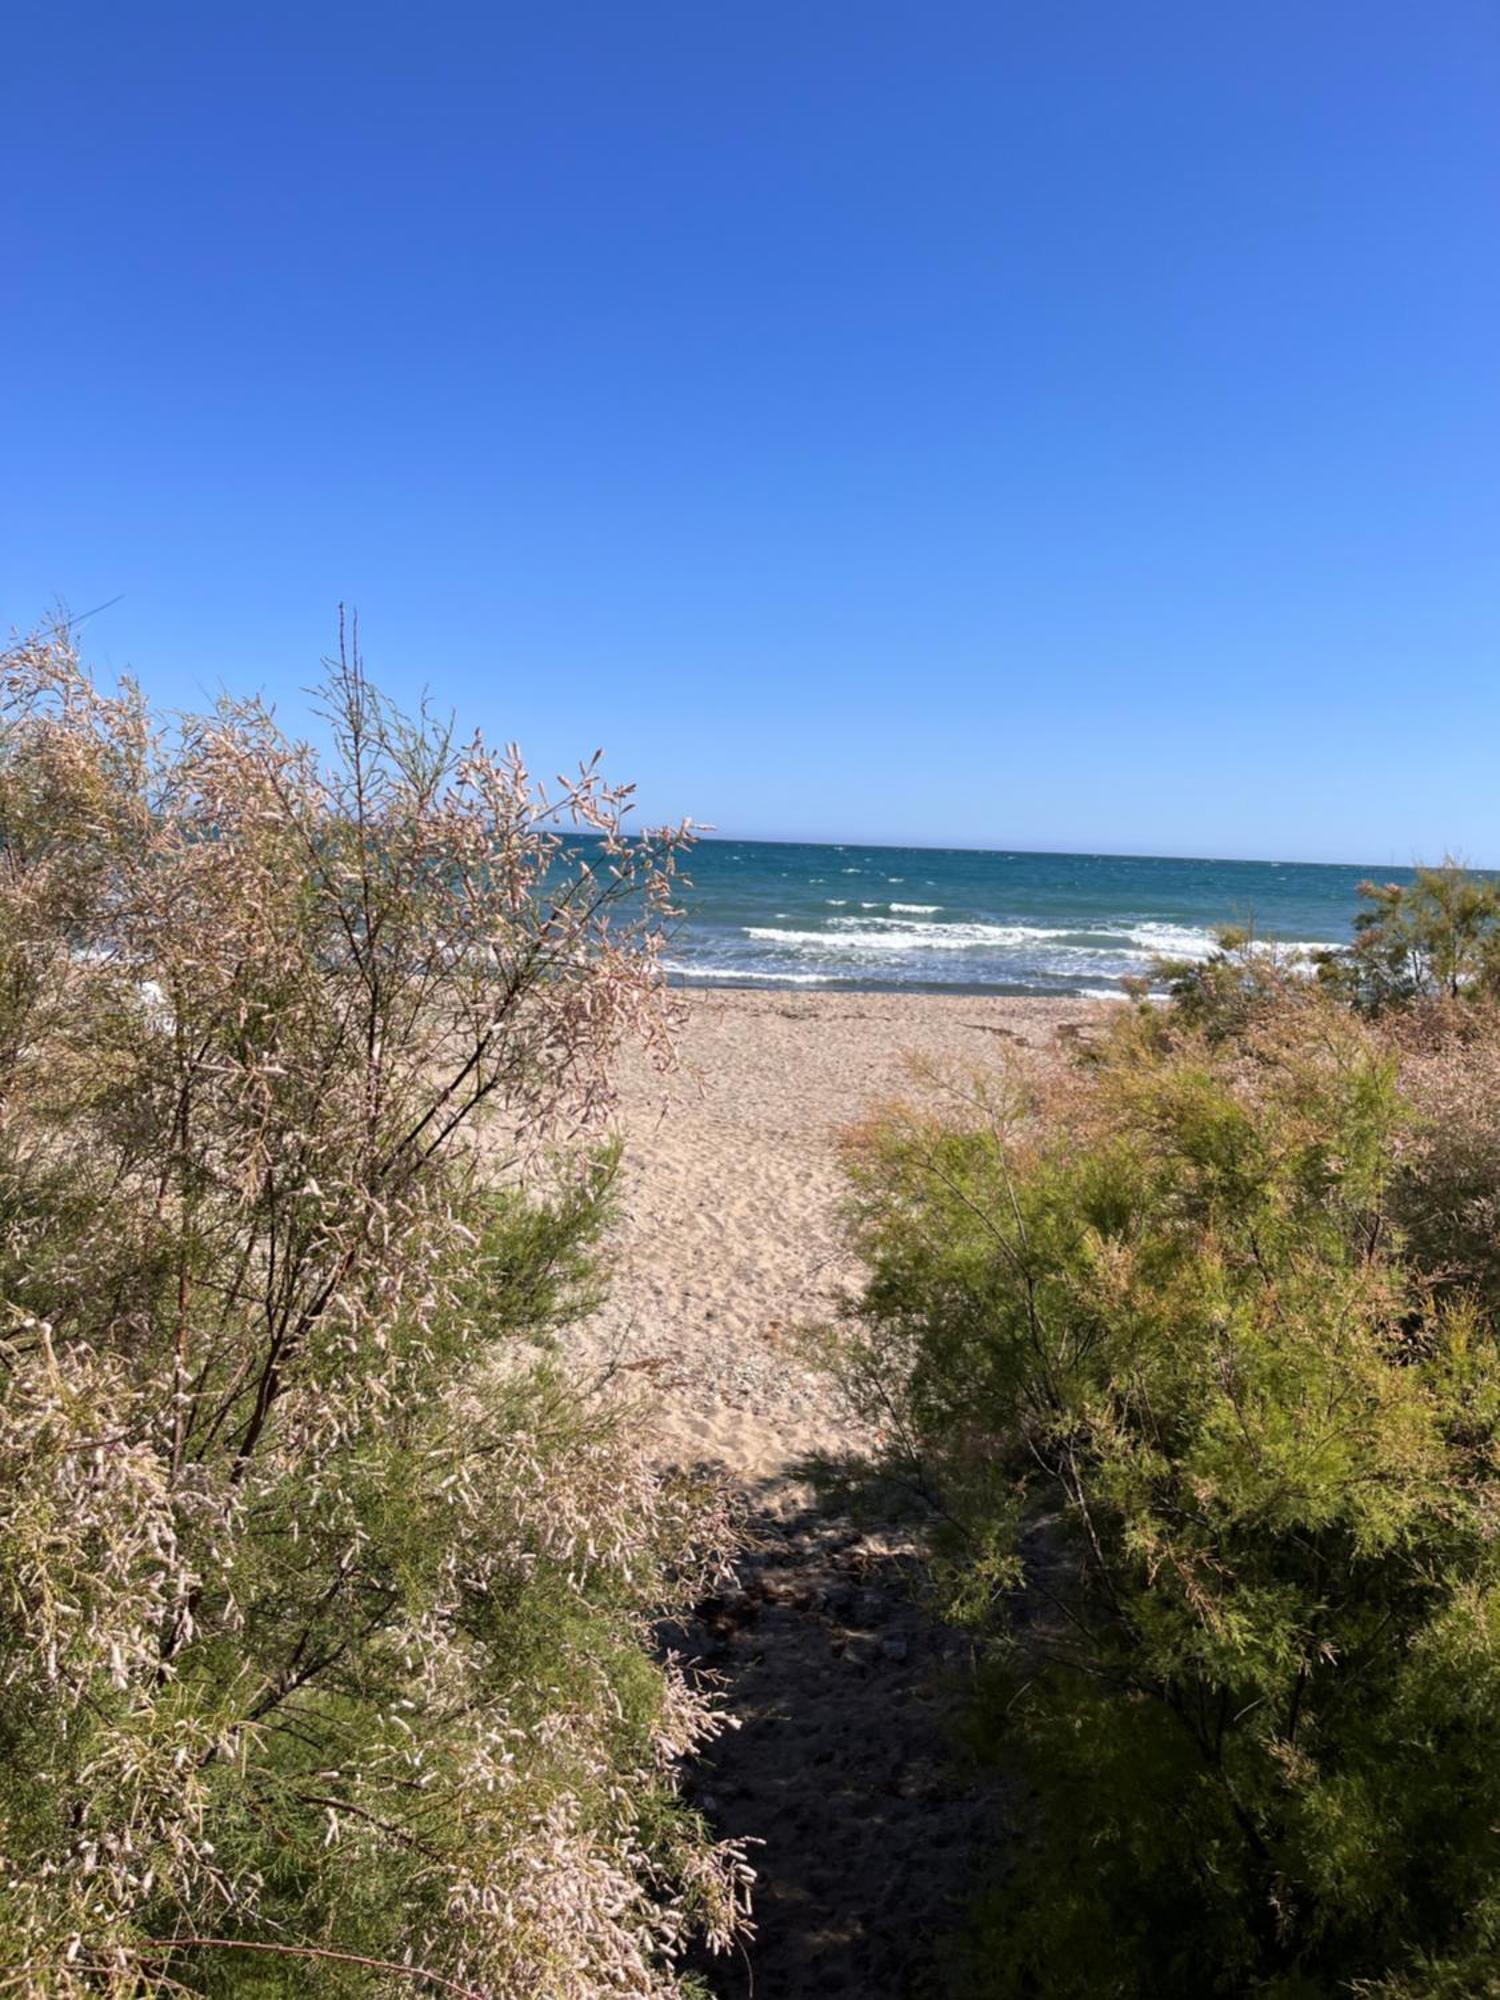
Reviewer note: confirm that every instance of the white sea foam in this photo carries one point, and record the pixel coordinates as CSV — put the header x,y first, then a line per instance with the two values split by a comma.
x,y
1167,940
726,975
845,934
883,935
1083,955
1187,941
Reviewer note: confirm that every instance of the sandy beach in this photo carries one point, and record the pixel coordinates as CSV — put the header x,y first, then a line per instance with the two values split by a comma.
x,y
865,1829
729,1227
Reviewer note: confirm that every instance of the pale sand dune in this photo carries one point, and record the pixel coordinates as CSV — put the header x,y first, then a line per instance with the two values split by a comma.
x,y
729,1231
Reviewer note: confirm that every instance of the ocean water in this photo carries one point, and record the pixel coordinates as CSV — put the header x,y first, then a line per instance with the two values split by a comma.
x,y
768,913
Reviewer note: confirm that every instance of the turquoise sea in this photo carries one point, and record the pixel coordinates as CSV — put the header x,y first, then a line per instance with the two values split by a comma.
x,y
768,913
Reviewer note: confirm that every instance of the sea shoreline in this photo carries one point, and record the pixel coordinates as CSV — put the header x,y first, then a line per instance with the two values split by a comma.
x,y
819,983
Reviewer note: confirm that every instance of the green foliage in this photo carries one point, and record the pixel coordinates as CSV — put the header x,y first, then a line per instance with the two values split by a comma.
x,y
1219,1472
1234,987
325,1604
1435,937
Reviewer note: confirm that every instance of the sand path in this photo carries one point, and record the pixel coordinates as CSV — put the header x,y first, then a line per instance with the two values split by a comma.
x,y
843,1768
730,1229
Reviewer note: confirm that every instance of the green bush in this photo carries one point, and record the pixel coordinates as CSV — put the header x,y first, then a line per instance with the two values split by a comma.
x,y
1217,1471
1435,937
325,1659
1234,987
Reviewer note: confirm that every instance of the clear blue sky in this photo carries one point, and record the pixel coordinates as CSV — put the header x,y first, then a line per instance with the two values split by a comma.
x,y
1054,425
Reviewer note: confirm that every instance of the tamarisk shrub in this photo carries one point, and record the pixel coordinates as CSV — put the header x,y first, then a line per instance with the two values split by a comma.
x,y
323,1610
1218,1458
1435,937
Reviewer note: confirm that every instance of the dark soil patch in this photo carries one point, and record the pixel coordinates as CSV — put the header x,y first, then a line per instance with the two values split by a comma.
x,y
846,1765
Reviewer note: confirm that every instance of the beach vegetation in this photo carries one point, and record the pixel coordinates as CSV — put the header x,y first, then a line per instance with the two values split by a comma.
x,y
325,1602
1435,937
1194,1350
1229,988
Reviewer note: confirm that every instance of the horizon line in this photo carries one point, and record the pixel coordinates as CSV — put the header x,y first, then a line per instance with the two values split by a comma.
x,y
713,836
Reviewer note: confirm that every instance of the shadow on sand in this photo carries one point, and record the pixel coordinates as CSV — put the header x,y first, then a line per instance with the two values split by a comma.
x,y
846,1764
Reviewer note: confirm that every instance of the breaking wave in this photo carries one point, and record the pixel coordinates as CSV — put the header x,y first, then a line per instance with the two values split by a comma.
x,y
763,914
